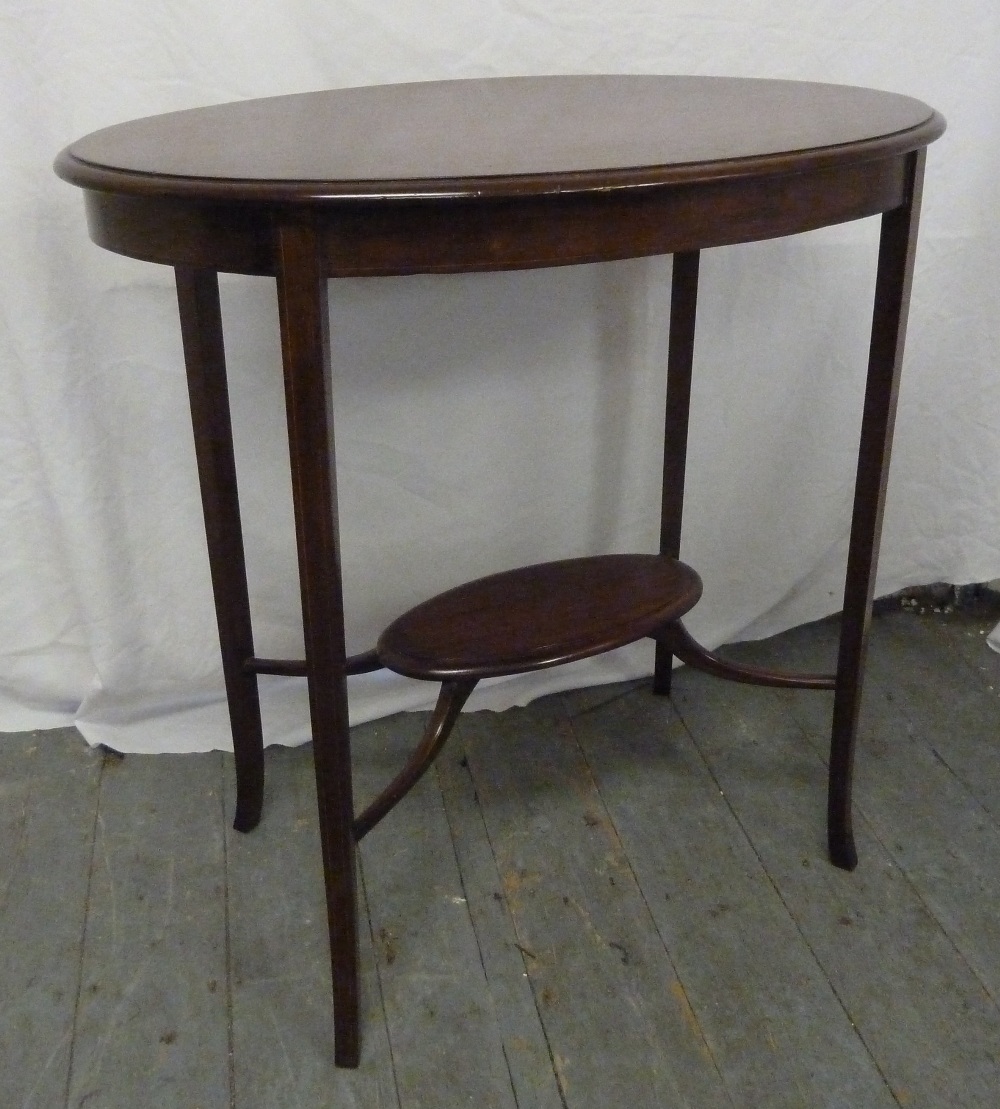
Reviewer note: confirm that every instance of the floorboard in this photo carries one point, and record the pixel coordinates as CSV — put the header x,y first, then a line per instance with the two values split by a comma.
x,y
150,1023
593,956
49,784
525,1046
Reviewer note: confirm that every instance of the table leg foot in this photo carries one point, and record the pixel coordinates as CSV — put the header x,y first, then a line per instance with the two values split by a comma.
x,y
346,973
843,853
846,710
347,1049
663,670
249,797
839,822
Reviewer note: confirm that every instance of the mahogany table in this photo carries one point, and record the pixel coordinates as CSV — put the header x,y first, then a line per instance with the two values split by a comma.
x,y
492,175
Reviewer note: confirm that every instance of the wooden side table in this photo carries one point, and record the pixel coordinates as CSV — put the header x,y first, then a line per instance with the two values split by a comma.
x,y
489,175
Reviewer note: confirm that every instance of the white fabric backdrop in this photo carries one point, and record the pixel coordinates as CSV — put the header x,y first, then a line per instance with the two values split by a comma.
x,y
483,421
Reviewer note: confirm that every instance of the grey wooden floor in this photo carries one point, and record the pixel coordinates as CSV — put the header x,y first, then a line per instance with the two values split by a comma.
x,y
605,899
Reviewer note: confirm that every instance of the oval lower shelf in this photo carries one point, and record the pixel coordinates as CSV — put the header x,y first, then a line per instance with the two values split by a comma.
x,y
539,616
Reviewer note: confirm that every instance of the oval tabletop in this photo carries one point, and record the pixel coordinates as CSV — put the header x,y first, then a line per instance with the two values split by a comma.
x,y
539,616
483,137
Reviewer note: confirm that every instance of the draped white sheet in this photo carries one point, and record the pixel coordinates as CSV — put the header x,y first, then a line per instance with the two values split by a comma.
x,y
482,421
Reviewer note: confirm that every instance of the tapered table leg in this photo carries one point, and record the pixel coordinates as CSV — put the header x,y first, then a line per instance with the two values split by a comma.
x,y
680,359
205,359
305,344
892,294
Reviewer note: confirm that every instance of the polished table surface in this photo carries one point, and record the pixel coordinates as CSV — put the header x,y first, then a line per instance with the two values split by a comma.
x,y
486,175
479,138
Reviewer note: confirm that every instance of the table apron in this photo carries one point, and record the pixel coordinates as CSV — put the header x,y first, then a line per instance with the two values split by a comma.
x,y
392,237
